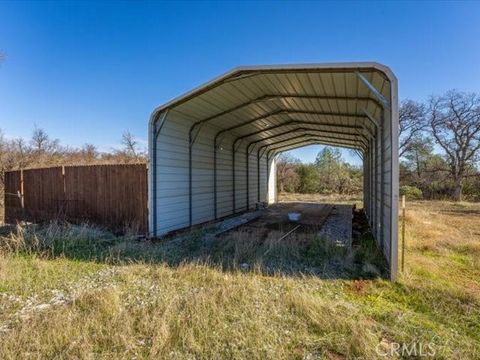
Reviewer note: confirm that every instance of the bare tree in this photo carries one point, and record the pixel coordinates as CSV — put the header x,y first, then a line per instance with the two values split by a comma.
x,y
22,152
130,144
8,161
41,142
412,121
89,153
3,168
4,156
455,124
287,177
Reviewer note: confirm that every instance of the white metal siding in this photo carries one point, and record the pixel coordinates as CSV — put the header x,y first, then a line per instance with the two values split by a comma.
x,y
224,178
172,187
172,175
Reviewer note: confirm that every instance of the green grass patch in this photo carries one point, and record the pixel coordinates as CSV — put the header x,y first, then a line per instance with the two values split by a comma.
x,y
82,293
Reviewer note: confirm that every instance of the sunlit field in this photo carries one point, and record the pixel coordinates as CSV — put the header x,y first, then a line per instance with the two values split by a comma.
x,y
77,292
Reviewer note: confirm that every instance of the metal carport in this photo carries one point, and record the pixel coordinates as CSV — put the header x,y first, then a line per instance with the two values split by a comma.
x,y
212,151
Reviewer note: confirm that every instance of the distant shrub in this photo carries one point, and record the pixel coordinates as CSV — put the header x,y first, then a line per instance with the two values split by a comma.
x,y
411,192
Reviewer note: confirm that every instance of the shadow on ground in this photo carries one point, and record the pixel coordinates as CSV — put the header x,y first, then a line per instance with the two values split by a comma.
x,y
248,249
462,212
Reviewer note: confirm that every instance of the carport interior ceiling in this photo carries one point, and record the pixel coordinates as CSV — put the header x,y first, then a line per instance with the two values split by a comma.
x,y
212,150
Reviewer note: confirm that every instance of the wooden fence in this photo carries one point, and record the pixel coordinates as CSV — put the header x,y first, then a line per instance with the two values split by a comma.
x,y
114,196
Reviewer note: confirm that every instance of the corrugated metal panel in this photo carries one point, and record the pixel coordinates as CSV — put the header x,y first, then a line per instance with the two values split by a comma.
x,y
263,179
240,180
172,176
252,180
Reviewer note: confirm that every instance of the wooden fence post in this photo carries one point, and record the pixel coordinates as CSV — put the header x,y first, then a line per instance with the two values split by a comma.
x,y
62,202
22,195
403,233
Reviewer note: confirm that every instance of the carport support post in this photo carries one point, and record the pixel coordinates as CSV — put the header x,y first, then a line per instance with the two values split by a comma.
x,y
233,178
246,176
377,206
154,132
22,196
403,233
365,182
258,175
268,177
370,179
215,178
191,141
190,187
374,181
382,185
234,196
248,152
380,132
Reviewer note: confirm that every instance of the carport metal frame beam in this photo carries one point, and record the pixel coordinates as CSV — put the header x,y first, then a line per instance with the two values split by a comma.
x,y
373,89
319,140
287,147
216,145
315,138
298,144
328,139
248,153
267,98
289,112
380,133
192,138
199,123
307,130
156,127
247,160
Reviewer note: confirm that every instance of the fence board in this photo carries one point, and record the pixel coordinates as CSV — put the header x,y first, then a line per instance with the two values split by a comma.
x,y
43,193
110,195
13,204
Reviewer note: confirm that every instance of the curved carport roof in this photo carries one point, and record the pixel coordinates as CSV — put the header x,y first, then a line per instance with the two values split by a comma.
x,y
272,109
334,103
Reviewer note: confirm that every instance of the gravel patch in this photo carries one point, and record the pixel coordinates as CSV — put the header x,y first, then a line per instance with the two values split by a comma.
x,y
32,305
338,226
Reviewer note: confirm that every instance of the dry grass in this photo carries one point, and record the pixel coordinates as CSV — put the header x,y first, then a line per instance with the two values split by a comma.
x,y
321,198
66,306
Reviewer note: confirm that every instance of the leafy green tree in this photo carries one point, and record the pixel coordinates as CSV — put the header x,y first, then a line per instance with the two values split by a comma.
x,y
308,178
418,153
335,175
328,158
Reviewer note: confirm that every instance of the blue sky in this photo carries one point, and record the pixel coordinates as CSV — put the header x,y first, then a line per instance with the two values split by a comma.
x,y
87,71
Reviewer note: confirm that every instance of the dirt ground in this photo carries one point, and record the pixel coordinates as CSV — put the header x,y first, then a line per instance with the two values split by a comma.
x,y
331,221
312,216
319,242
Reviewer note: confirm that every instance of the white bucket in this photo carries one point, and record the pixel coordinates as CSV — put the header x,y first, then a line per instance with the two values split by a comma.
x,y
293,216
